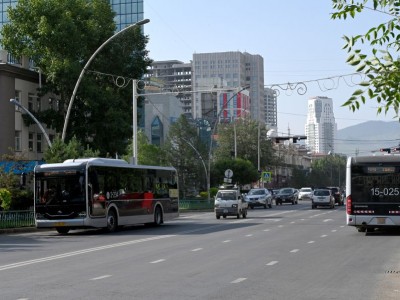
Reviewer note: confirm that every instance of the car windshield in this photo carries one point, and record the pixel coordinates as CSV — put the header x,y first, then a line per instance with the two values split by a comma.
x,y
285,191
321,193
226,195
256,192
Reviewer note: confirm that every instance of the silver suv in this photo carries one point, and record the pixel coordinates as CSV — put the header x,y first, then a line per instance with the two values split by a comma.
x,y
259,197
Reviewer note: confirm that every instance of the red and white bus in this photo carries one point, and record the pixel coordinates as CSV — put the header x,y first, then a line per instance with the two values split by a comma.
x,y
373,192
103,193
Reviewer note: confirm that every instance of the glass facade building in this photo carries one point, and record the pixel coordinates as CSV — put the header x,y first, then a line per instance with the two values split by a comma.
x,y
127,12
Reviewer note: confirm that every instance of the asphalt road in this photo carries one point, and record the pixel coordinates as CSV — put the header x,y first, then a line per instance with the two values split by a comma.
x,y
287,252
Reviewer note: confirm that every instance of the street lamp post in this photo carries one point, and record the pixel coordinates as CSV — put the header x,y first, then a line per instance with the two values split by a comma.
x,y
202,160
85,68
15,102
212,134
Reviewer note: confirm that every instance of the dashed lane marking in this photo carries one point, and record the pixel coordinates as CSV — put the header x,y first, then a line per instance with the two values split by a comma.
x,y
238,280
157,261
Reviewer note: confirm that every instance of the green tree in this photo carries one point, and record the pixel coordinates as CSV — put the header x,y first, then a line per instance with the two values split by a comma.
x,y
246,142
61,151
179,150
60,36
243,170
148,154
382,65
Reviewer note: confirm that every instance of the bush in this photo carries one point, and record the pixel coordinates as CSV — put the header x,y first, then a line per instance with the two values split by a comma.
x,y
5,198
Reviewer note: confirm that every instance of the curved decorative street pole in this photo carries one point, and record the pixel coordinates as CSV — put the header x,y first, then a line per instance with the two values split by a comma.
x,y
212,134
15,102
85,68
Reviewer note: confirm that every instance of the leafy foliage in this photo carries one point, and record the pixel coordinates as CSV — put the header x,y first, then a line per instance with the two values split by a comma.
x,y
5,199
381,67
60,36
185,151
246,131
244,171
61,151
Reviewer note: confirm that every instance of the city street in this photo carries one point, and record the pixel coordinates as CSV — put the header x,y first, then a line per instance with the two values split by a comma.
x,y
287,252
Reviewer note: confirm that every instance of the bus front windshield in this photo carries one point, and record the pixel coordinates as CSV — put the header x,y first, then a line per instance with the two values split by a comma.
x,y
55,189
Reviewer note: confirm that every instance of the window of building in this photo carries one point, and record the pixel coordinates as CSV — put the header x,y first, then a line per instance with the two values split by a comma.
x,y
157,131
17,140
30,141
30,102
39,142
18,99
38,104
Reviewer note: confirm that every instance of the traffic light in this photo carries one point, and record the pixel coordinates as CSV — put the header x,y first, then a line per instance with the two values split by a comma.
x,y
388,150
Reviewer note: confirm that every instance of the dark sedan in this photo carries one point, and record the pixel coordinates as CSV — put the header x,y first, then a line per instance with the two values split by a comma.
x,y
286,195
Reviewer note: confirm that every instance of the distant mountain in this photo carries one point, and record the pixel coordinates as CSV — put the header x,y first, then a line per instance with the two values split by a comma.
x,y
367,137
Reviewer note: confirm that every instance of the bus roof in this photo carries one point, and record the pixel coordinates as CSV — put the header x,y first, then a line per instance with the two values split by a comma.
x,y
96,161
387,158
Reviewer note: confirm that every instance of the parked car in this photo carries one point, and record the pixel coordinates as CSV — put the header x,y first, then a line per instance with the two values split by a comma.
x,y
286,195
259,197
322,197
336,194
305,193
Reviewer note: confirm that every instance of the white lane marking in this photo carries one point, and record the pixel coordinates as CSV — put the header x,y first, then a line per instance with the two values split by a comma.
x,y
327,220
238,280
324,235
271,263
294,250
311,242
79,252
293,222
100,277
226,241
333,230
266,229
280,226
157,261
249,234
197,249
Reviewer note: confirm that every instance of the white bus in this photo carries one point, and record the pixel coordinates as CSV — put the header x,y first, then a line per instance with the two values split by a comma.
x,y
373,192
103,193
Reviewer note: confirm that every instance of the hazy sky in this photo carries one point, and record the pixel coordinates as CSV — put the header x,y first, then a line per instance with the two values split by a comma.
x,y
297,40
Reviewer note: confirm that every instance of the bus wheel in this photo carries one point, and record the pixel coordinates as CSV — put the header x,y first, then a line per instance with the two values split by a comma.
x,y
158,217
112,221
361,229
62,230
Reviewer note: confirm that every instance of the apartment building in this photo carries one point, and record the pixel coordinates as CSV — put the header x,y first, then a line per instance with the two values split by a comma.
x,y
237,70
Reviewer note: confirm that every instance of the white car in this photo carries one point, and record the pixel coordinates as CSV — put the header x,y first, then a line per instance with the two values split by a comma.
x,y
322,197
305,193
259,197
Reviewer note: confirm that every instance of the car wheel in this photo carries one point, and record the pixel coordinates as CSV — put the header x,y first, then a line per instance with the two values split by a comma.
x,y
244,215
62,230
238,216
265,206
270,205
218,217
224,216
312,206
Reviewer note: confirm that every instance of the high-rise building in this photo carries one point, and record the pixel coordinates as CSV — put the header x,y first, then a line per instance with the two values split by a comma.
x,y
173,76
127,12
238,70
270,109
321,126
